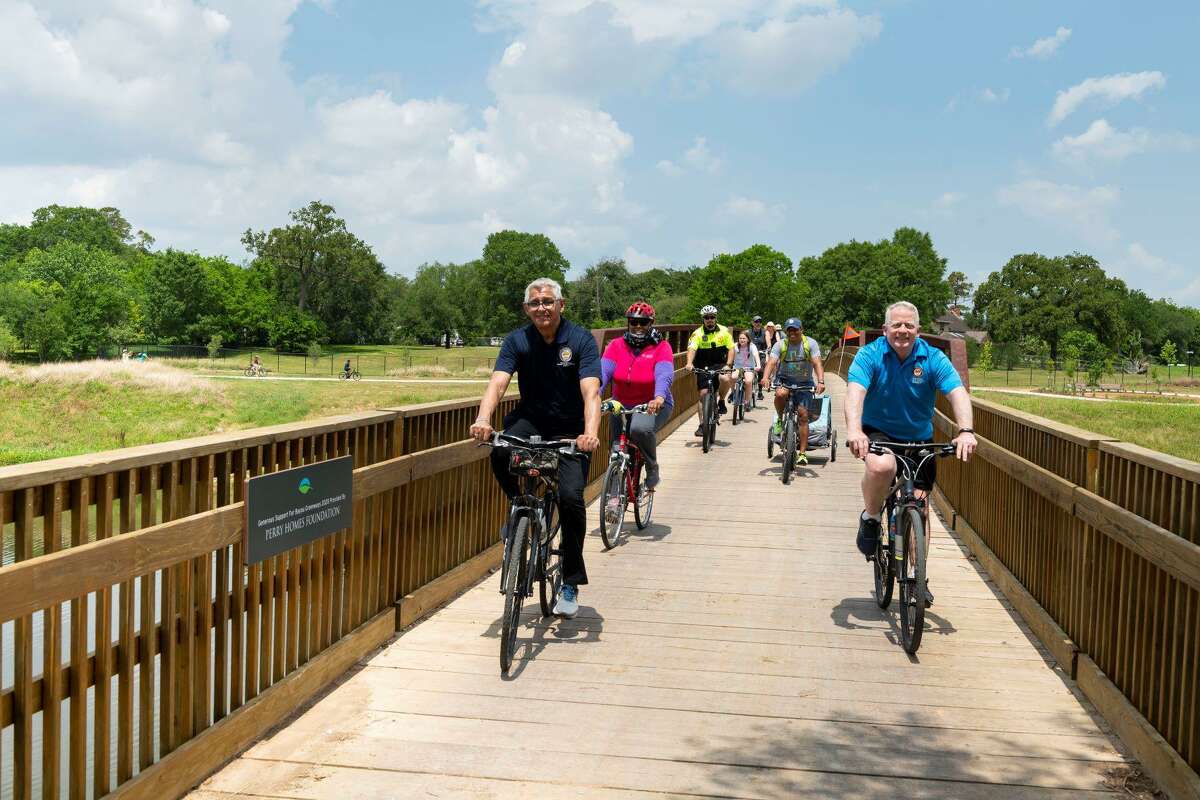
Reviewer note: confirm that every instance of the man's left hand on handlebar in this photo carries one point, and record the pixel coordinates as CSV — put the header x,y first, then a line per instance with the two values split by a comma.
x,y
964,445
587,443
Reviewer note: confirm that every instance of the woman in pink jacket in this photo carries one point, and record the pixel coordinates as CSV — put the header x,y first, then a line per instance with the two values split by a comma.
x,y
640,366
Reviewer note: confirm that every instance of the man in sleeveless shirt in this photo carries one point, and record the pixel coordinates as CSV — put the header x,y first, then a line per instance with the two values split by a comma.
x,y
797,360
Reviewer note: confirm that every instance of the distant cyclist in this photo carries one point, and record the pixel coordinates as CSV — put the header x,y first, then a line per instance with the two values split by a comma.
x,y
796,359
747,361
256,366
890,391
346,369
640,367
758,337
711,347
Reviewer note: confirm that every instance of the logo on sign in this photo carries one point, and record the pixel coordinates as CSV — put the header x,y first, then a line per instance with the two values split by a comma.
x,y
305,486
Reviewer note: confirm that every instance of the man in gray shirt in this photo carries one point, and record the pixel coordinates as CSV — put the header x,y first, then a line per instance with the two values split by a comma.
x,y
797,359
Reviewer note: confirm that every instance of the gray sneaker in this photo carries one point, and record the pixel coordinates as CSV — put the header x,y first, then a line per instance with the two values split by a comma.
x,y
568,602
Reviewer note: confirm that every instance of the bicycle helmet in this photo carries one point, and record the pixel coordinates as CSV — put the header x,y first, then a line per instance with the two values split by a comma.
x,y
640,310
640,337
708,310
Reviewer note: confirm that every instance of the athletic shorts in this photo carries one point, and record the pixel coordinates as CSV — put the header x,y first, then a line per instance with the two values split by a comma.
x,y
926,475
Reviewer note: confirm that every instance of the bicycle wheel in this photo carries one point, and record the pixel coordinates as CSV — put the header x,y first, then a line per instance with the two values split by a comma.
x,y
912,579
789,449
735,399
549,563
833,447
706,409
644,507
614,501
356,375
771,440
514,594
884,584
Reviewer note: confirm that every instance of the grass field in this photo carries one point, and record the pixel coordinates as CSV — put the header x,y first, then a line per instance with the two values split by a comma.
x,y
1172,428
1039,378
66,409
370,360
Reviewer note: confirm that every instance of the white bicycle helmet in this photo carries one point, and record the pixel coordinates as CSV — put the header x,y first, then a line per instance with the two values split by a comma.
x,y
708,310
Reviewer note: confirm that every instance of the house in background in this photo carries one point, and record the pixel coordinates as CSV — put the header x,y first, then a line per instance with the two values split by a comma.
x,y
952,324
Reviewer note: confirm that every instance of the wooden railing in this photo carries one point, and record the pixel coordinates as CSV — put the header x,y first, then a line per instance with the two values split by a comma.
x,y
159,654
1096,544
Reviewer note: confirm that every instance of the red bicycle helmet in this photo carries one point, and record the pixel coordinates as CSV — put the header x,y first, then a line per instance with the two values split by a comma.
x,y
640,310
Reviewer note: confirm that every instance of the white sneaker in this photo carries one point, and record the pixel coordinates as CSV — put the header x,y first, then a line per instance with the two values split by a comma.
x,y
567,604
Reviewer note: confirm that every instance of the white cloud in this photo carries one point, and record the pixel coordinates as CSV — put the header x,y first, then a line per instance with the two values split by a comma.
x,y
1143,259
1082,212
700,157
597,46
748,209
989,95
948,201
1102,142
1043,48
637,261
1107,91
790,54
669,168
235,143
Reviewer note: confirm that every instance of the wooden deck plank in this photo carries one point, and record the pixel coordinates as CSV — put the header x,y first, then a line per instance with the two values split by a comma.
x,y
733,649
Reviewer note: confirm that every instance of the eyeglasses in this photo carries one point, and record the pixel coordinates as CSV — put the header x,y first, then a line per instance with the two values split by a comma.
x,y
542,303
638,323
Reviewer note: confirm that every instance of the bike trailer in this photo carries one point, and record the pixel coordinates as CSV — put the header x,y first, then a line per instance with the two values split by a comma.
x,y
820,422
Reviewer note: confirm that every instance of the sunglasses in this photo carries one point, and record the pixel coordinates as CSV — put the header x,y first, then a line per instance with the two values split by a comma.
x,y
709,318
639,323
542,303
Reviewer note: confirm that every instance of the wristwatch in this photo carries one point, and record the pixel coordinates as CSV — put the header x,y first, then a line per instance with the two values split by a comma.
x,y
966,430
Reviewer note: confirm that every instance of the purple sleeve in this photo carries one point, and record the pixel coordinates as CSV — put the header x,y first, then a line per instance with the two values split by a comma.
x,y
664,373
607,368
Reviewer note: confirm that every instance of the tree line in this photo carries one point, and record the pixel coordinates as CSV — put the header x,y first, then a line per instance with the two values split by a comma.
x,y
77,281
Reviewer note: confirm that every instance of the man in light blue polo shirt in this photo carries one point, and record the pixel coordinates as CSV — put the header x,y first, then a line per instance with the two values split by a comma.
x,y
890,393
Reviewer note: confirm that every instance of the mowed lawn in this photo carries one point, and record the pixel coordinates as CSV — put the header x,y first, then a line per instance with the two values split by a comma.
x,y
1172,428
62,410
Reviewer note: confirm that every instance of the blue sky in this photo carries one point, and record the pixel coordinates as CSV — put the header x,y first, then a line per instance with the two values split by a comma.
x,y
661,132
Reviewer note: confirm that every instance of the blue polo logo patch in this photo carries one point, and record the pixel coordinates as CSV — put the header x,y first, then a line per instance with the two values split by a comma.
x,y
918,375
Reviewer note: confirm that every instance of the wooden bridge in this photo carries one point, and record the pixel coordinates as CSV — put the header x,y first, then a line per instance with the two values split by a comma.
x,y
733,649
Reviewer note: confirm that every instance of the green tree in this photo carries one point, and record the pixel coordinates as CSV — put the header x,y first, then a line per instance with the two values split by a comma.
x,y
602,294
856,281
8,342
304,252
758,280
1168,354
178,295
511,260
292,330
101,228
984,362
433,303
1035,295
960,287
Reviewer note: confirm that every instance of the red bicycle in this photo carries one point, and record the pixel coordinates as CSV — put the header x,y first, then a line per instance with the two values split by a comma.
x,y
625,481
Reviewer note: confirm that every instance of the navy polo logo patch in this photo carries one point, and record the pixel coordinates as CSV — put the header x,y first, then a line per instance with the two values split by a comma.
x,y
564,355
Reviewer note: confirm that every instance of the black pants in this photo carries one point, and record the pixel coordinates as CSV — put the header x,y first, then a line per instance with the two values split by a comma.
x,y
926,475
572,478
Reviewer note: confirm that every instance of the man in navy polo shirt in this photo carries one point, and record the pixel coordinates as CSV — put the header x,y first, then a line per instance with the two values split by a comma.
x,y
558,373
890,393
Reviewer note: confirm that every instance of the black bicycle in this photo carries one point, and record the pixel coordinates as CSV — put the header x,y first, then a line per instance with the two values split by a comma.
x,y
625,480
352,375
532,537
900,552
741,398
709,418
788,435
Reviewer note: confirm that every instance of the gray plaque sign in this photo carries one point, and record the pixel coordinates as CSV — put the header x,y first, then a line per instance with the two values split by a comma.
x,y
297,506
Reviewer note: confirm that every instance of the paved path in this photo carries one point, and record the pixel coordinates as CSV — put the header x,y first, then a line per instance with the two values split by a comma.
x,y
733,649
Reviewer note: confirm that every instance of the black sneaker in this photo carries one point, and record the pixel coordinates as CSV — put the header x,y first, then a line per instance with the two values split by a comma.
x,y
699,430
868,536
928,596
721,409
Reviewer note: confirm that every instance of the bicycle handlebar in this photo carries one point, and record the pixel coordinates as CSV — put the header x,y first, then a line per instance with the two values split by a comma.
x,y
718,371
894,448
607,408
502,439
